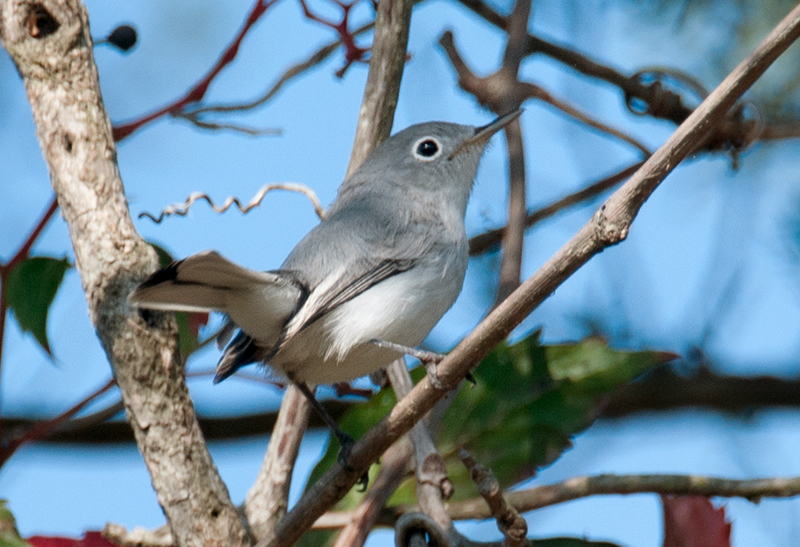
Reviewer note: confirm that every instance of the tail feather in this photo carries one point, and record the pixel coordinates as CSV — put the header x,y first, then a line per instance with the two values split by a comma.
x,y
260,303
212,269
240,352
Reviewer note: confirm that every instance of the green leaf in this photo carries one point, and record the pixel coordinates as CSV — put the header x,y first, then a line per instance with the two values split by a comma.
x,y
317,538
356,421
164,257
30,289
598,369
529,401
9,536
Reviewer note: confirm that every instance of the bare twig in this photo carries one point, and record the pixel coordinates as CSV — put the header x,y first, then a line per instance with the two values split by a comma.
x,y
682,485
538,497
25,249
503,92
609,226
483,242
216,126
19,256
535,92
51,46
361,521
198,91
517,29
509,521
44,428
352,52
313,60
733,133
433,484
268,498
387,59
514,234
181,209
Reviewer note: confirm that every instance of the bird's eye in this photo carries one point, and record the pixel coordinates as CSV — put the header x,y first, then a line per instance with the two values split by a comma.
x,y
427,149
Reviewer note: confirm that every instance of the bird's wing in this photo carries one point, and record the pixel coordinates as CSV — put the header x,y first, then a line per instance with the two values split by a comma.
x,y
343,285
327,296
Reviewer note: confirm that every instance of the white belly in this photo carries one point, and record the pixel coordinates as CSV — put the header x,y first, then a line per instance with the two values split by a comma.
x,y
402,309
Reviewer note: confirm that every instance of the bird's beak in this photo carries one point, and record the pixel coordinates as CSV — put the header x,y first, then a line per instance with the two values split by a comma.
x,y
482,134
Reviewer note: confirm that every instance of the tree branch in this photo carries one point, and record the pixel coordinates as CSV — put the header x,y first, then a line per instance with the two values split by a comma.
x,y
198,91
509,521
268,499
538,497
581,487
482,243
51,46
386,64
433,485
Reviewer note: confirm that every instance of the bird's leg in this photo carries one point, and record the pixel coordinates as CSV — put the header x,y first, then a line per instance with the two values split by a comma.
x,y
346,442
421,354
428,358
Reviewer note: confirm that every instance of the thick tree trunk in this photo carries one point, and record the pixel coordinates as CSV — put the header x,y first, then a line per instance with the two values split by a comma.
x,y
50,44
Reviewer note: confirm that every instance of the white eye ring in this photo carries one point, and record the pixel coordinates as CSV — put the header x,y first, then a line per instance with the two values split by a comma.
x,y
427,149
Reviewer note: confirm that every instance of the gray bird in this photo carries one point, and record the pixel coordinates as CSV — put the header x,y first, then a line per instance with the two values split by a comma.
x,y
386,263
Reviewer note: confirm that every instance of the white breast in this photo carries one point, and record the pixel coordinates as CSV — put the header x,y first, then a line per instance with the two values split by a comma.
x,y
401,309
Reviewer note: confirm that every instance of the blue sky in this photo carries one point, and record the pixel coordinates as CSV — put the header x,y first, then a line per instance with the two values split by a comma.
x,y
659,289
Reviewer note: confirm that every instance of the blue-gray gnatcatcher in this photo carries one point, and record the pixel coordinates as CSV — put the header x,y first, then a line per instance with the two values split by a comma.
x,y
386,264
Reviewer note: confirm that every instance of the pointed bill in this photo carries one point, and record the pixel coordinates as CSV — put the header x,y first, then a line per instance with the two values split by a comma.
x,y
482,134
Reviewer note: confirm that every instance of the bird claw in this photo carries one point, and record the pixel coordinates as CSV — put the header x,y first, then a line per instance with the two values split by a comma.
x,y
346,443
433,376
424,356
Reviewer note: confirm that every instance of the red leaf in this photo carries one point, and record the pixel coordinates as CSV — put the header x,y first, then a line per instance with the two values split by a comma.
x,y
90,539
197,320
691,521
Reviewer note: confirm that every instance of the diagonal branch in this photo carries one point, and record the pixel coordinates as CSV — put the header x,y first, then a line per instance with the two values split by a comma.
x,y
535,92
481,243
609,226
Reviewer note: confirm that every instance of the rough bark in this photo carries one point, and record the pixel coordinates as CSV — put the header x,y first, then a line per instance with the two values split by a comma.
x,y
50,43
